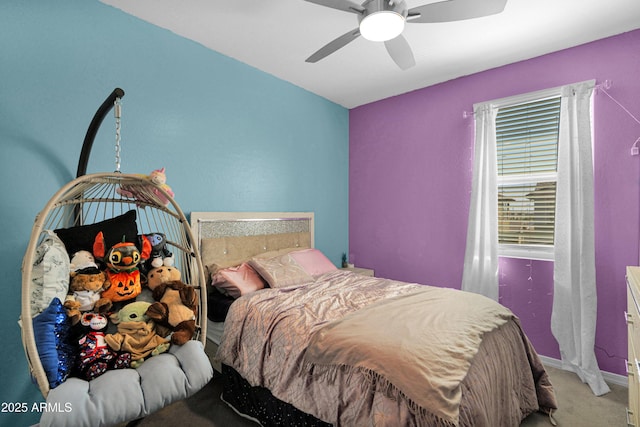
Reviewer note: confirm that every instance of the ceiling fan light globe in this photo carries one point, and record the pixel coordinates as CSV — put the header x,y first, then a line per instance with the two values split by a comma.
x,y
382,26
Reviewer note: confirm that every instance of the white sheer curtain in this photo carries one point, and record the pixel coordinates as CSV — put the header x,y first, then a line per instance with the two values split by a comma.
x,y
573,317
480,274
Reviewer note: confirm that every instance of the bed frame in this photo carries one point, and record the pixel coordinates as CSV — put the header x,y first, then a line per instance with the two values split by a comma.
x,y
225,238
228,237
231,236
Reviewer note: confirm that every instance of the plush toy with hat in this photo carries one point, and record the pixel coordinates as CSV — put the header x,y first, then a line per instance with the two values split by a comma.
x,y
176,303
85,289
122,260
136,333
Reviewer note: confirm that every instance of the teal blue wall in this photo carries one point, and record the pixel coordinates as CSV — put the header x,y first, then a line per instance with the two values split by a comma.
x,y
231,137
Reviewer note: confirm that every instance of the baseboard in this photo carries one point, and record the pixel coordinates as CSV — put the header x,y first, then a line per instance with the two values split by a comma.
x,y
608,377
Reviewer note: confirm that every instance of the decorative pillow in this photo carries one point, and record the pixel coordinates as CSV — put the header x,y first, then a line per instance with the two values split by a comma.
x,y
219,264
213,268
280,271
237,281
51,331
81,237
276,253
49,273
313,261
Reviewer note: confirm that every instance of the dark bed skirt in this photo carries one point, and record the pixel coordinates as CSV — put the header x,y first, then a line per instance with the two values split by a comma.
x,y
259,403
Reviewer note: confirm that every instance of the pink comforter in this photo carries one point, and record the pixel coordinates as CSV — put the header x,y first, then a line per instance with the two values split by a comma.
x,y
268,335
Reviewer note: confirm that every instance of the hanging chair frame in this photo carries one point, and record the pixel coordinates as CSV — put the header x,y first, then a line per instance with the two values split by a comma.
x,y
92,131
94,197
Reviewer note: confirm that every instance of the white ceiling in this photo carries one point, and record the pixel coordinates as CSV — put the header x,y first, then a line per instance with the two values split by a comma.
x,y
276,36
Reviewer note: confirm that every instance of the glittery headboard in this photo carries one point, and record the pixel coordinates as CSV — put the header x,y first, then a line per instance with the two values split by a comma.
x,y
227,238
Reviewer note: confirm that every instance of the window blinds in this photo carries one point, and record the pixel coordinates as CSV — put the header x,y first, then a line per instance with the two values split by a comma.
x,y
527,150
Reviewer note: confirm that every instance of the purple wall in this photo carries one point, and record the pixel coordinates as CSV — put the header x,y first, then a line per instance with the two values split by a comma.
x,y
410,183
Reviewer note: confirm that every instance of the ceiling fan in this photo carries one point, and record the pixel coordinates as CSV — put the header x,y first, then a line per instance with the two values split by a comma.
x,y
383,20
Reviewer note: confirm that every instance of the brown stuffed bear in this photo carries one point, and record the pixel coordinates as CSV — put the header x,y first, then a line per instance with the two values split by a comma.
x,y
176,303
85,287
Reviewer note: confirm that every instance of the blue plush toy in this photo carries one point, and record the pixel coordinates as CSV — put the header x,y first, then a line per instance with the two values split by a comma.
x,y
160,254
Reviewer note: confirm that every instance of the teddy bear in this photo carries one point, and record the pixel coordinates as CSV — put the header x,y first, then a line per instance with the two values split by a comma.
x,y
94,357
136,333
176,303
85,288
121,262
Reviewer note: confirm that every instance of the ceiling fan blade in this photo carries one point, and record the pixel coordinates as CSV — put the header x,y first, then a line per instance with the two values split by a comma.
x,y
455,10
400,52
336,44
345,5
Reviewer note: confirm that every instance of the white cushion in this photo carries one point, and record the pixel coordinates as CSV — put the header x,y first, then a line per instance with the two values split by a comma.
x,y
127,394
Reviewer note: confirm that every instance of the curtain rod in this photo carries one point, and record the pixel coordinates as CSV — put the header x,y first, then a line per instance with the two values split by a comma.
x,y
605,84
602,87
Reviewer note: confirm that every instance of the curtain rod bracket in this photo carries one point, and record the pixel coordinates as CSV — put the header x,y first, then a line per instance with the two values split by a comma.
x,y
634,149
606,84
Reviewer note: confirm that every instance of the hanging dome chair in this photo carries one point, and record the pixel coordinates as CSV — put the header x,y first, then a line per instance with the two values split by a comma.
x,y
116,204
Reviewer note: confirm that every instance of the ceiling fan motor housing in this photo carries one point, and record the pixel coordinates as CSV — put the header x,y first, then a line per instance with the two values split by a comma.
x,y
375,6
382,20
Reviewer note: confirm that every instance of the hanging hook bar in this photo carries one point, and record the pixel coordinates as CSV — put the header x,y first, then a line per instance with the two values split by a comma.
x,y
117,105
93,130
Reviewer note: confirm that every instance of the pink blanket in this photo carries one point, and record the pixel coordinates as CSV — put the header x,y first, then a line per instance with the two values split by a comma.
x,y
269,338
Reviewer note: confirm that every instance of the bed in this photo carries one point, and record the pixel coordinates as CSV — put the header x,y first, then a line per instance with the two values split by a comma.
x,y
317,345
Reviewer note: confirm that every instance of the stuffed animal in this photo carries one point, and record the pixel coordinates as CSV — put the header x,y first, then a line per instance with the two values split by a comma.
x,y
122,261
160,254
146,194
94,356
85,288
159,178
81,260
136,333
176,303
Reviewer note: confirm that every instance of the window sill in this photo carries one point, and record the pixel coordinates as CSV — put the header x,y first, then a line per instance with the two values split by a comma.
x,y
542,253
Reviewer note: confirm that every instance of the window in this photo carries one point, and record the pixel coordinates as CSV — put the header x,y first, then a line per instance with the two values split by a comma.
x,y
527,156
543,143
